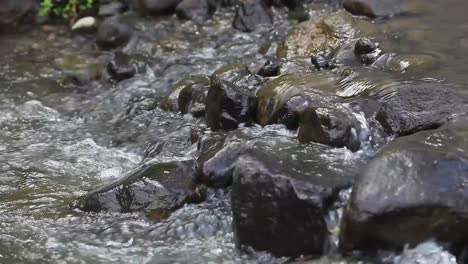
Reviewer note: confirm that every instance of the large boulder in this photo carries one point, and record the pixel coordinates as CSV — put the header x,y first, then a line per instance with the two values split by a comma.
x,y
282,100
281,196
250,14
373,8
417,107
412,191
156,187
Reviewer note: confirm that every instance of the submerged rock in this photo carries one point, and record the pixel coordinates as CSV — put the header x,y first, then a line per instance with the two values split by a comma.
x,y
373,8
113,33
418,107
250,14
412,191
413,64
283,99
156,187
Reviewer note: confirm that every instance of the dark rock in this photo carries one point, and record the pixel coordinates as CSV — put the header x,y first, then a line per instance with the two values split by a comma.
x,y
283,99
157,7
414,190
364,46
195,9
250,14
112,8
270,69
189,96
156,187
279,194
373,8
120,68
14,12
218,169
418,107
113,33
334,126
228,105
320,62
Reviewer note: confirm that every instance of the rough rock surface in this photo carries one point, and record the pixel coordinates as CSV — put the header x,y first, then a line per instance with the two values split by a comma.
x,y
412,191
414,108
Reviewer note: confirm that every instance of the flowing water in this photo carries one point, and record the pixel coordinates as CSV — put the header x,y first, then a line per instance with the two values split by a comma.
x,y
59,139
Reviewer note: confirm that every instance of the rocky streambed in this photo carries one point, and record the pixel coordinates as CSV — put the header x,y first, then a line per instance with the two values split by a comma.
x,y
236,132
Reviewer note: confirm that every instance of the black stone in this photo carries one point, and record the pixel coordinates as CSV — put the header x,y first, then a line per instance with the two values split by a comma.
x,y
320,62
417,107
414,190
270,69
120,68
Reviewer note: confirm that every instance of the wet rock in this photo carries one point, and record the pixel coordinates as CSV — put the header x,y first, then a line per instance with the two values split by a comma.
x,y
113,33
250,14
319,62
270,69
195,9
238,74
157,187
418,107
283,99
13,12
189,96
157,7
412,191
427,252
120,68
373,8
218,169
364,46
279,197
228,105
334,126
317,36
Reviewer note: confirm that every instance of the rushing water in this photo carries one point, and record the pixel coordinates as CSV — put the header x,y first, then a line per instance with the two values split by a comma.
x,y
58,140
